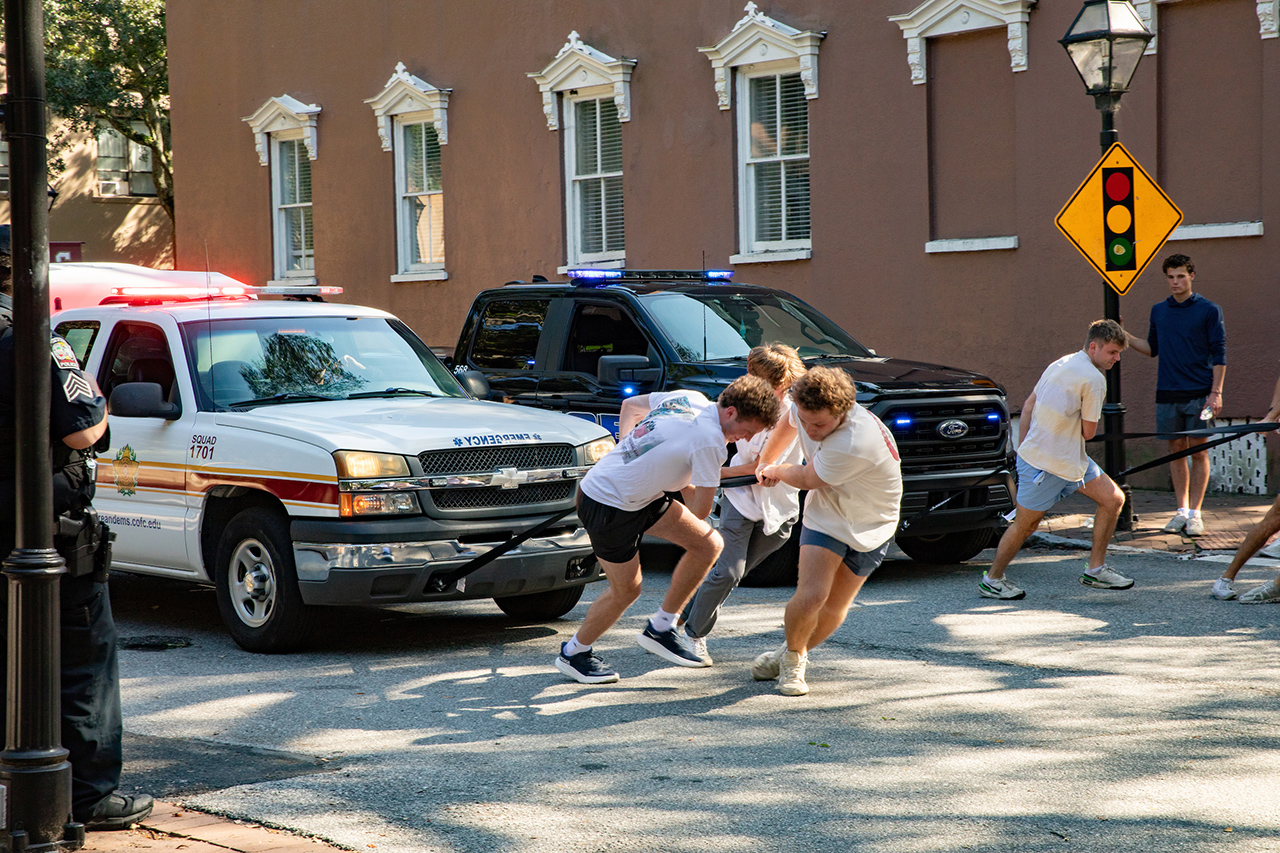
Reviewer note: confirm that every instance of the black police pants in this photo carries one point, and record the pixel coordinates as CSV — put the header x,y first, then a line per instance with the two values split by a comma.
x,y
91,718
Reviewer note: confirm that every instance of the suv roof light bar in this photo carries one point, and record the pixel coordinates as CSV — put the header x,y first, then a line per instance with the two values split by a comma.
x,y
597,275
142,295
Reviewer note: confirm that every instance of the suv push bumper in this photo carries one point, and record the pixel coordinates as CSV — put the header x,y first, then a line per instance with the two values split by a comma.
x,y
977,501
334,569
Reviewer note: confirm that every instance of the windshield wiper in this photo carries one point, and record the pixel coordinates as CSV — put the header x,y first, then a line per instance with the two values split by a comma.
x,y
392,392
286,397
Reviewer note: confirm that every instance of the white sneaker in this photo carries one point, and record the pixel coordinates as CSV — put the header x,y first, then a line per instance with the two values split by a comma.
x,y
1272,550
1104,577
1176,524
1268,593
791,678
700,648
767,666
1224,589
999,588
1195,526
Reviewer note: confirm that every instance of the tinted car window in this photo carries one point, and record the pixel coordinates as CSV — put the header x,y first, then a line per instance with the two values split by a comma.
x,y
81,335
508,335
601,330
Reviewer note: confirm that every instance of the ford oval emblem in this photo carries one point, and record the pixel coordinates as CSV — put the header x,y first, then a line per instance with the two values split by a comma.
x,y
953,429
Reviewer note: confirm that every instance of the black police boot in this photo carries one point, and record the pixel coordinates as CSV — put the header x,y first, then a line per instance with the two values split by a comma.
x,y
118,811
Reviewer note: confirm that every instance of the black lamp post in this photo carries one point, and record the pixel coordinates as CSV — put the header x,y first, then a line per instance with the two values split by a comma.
x,y
1106,42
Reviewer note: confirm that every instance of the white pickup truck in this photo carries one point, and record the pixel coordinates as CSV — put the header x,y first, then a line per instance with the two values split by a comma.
x,y
294,454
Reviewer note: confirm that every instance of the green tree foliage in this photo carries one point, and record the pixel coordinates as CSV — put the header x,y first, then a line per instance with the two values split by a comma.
x,y
106,64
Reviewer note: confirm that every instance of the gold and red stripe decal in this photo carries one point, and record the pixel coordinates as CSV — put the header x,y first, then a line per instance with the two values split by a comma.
x,y
169,477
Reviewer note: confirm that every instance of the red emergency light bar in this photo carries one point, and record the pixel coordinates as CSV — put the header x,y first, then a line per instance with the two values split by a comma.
x,y
142,295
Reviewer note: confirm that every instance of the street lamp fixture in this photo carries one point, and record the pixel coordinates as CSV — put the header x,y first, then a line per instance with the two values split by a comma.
x,y
1106,42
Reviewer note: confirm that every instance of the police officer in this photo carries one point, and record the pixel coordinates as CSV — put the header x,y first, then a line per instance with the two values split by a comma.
x,y
91,720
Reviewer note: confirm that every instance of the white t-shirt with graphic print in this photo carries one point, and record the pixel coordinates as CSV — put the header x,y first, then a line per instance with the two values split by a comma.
x,y
859,462
677,444
773,505
1070,390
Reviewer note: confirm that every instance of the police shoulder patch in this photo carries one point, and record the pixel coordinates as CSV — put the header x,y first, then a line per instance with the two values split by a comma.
x,y
64,355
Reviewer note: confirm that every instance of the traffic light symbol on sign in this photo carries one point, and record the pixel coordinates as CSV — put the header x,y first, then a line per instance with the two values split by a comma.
x,y
1118,219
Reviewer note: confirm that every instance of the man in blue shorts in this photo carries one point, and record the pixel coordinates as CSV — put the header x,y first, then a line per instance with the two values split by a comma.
x,y
1059,416
854,479
1188,334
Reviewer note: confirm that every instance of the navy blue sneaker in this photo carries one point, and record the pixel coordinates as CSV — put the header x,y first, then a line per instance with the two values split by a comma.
x,y
670,646
585,667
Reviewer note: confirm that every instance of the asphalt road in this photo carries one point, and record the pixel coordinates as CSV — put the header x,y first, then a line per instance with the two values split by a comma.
x,y
1076,719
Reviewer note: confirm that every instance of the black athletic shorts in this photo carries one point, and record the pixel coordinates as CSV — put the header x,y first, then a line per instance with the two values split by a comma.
x,y
616,533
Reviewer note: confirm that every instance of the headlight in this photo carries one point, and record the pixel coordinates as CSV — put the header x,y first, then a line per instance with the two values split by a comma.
x,y
597,449
359,465
381,503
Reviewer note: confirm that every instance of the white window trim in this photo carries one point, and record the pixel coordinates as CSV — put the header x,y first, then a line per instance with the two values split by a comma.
x,y
750,246
948,17
279,235
404,100
772,257
756,39
1268,12
971,244
580,66
1217,231
280,114
573,211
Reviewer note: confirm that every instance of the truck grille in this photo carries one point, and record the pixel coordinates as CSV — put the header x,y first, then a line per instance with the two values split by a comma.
x,y
480,460
920,444
975,498
537,493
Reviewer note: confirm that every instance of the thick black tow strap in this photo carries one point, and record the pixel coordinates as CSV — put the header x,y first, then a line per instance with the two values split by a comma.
x,y
443,581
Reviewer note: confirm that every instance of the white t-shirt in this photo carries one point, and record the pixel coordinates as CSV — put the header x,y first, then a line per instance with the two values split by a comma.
x,y
859,462
1070,390
772,505
679,443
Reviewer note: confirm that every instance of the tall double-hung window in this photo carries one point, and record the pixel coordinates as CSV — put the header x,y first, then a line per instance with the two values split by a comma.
x,y
589,93
774,162
124,167
412,121
291,184
767,73
594,156
420,222
284,133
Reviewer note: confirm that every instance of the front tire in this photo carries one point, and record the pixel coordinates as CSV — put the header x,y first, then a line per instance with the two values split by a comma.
x,y
257,584
945,548
540,606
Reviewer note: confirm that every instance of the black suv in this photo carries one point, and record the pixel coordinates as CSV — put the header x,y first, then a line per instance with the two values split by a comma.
x,y
581,346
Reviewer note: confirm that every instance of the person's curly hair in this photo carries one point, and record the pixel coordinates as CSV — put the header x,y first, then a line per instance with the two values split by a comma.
x,y
777,364
824,388
753,398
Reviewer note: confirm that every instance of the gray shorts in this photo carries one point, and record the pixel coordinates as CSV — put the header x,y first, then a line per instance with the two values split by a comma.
x,y
1177,417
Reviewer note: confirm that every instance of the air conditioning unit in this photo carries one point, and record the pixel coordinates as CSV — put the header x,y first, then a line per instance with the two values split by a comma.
x,y
111,188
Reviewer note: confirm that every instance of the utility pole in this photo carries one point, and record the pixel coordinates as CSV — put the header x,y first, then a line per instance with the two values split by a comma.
x,y
34,769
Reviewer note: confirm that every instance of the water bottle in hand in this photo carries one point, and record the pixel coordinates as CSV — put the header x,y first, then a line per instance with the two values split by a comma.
x,y
1206,414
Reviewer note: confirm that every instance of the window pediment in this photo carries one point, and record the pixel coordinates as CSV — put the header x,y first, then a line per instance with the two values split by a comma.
x,y
282,114
948,17
405,93
581,66
1268,12
757,38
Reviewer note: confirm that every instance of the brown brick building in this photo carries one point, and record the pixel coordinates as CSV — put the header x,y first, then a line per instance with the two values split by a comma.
x,y
897,163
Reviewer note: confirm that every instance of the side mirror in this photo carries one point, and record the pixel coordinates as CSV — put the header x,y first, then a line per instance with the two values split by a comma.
x,y
142,400
474,383
617,369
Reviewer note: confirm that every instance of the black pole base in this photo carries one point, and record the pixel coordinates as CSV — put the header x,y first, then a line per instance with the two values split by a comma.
x,y
40,790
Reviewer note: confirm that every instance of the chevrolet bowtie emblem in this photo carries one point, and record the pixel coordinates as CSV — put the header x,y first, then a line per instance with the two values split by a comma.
x,y
509,478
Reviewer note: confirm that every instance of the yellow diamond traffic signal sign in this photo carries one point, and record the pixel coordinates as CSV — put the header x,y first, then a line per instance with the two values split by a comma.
x,y
1118,218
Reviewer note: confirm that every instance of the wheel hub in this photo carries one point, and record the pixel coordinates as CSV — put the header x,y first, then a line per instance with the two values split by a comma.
x,y
257,582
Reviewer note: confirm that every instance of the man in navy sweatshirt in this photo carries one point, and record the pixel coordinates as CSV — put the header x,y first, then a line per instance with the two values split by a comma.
x,y
1188,334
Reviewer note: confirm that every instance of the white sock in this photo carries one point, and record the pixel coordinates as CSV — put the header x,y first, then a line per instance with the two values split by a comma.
x,y
1193,513
1184,512
573,647
662,620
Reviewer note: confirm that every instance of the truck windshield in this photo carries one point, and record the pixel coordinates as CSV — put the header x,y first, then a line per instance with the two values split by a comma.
x,y
286,359
716,325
